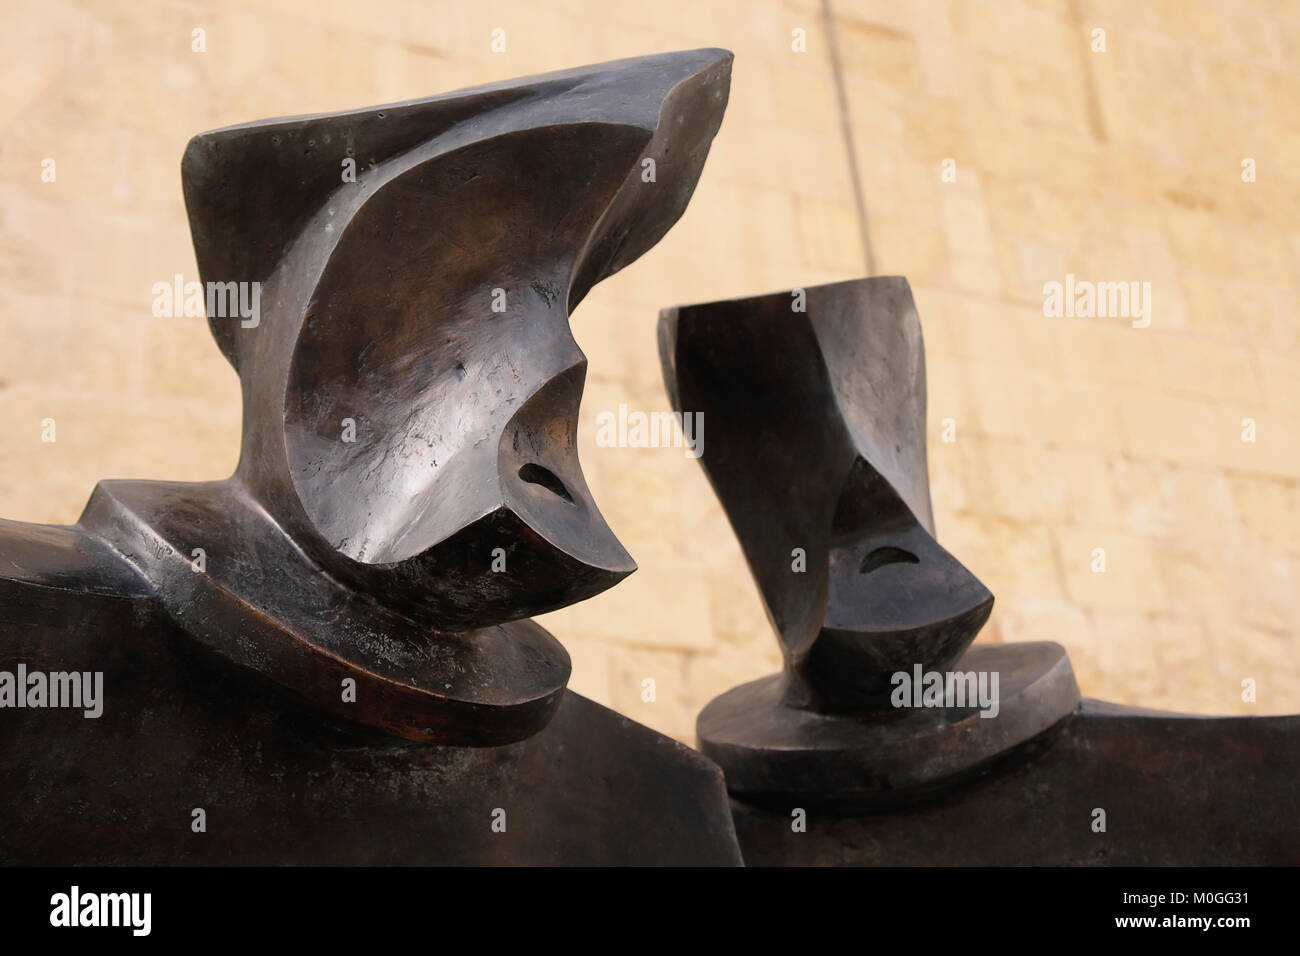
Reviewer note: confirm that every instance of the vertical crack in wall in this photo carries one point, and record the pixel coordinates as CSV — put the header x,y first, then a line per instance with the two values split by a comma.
x,y
1096,123
846,126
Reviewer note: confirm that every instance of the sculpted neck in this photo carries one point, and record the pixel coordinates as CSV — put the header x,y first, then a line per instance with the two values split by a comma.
x,y
235,582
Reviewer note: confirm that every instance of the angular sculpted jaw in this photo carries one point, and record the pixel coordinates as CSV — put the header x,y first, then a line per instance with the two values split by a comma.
x,y
412,389
895,598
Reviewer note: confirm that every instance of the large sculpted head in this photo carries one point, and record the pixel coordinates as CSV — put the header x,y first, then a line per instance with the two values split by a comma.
x,y
411,385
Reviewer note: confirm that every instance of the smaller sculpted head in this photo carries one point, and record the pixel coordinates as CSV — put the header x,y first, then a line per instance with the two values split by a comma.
x,y
815,406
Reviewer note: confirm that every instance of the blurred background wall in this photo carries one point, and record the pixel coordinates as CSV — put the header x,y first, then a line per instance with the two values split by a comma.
x,y
1070,434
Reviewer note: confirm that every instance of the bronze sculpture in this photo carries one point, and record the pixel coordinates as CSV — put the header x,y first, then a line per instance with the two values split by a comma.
x,y
327,657
845,757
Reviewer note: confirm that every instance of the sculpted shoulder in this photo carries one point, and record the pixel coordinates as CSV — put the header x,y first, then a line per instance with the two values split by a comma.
x,y
64,558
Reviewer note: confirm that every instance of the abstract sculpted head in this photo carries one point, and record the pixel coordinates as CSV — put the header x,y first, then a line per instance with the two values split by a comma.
x,y
408,492
393,288
815,403
817,452
425,306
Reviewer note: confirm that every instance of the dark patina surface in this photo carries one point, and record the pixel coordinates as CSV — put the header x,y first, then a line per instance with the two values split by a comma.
x,y
330,651
815,404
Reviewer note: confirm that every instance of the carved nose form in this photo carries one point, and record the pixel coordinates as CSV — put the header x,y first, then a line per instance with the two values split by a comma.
x,y
893,602
543,484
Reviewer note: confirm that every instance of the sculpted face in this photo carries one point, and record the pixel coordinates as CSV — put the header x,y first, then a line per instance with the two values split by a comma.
x,y
817,453
456,365
413,387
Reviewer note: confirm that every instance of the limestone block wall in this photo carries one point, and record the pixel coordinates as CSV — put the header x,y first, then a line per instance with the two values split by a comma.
x,y
982,148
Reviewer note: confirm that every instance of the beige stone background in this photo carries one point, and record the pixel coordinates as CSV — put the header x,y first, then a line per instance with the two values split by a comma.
x,y
1071,434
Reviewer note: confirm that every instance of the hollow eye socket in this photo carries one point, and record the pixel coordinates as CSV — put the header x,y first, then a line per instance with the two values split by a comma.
x,y
887,555
535,474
